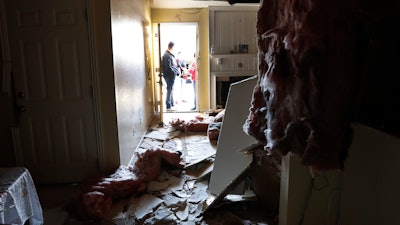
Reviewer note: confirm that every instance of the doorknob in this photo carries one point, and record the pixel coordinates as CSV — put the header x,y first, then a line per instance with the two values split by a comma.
x,y
21,94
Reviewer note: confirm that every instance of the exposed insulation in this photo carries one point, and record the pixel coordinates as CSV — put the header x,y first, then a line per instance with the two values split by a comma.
x,y
305,96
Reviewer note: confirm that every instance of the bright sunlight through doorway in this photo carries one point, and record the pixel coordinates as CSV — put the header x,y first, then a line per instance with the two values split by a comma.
x,y
184,36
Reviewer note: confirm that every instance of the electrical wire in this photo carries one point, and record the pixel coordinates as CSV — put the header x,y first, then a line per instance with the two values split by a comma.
x,y
331,195
339,211
307,200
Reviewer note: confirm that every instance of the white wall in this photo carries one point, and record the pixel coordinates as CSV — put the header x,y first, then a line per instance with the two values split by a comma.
x,y
372,179
133,85
364,193
295,202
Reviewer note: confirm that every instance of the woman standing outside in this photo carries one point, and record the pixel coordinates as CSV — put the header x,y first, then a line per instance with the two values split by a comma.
x,y
193,76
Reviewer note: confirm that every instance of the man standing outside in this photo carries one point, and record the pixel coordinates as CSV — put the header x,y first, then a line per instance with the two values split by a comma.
x,y
170,70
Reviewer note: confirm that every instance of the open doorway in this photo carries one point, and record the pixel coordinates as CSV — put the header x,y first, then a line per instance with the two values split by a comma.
x,y
184,35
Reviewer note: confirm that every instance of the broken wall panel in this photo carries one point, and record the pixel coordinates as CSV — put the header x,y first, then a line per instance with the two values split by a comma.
x,y
229,162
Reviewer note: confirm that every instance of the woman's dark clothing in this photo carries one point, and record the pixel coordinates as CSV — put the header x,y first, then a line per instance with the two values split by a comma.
x,y
169,70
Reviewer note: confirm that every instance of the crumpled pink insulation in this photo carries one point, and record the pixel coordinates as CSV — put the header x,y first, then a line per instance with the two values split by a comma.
x,y
96,196
309,78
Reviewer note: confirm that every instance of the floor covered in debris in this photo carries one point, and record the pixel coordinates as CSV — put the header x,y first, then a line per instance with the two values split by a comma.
x,y
177,196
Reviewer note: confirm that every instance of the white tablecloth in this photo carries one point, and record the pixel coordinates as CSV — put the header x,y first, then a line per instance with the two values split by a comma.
x,y
18,197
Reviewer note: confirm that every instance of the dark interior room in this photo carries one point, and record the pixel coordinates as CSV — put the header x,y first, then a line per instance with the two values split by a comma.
x,y
295,118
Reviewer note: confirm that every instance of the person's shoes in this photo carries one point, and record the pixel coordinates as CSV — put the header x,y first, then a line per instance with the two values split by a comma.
x,y
171,109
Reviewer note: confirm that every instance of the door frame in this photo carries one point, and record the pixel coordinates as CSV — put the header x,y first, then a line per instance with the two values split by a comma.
x,y
6,58
157,54
157,78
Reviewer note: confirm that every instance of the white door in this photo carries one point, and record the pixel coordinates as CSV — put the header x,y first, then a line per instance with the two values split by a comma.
x,y
51,66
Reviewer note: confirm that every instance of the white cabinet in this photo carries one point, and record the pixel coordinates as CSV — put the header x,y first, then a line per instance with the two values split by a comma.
x,y
234,64
231,28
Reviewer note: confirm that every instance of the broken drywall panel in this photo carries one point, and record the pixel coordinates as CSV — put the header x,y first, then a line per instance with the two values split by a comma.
x,y
229,162
154,186
181,193
199,193
200,171
197,152
140,207
169,219
166,183
162,134
195,148
190,184
196,211
228,189
189,222
162,213
174,183
196,138
239,198
171,200
178,144
182,212
148,143
173,145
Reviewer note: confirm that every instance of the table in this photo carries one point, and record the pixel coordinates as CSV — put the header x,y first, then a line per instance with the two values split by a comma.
x,y
19,201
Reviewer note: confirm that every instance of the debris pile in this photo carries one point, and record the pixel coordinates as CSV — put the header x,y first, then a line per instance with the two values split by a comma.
x,y
166,183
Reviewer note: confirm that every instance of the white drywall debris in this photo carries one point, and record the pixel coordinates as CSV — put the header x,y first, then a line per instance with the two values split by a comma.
x,y
143,205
